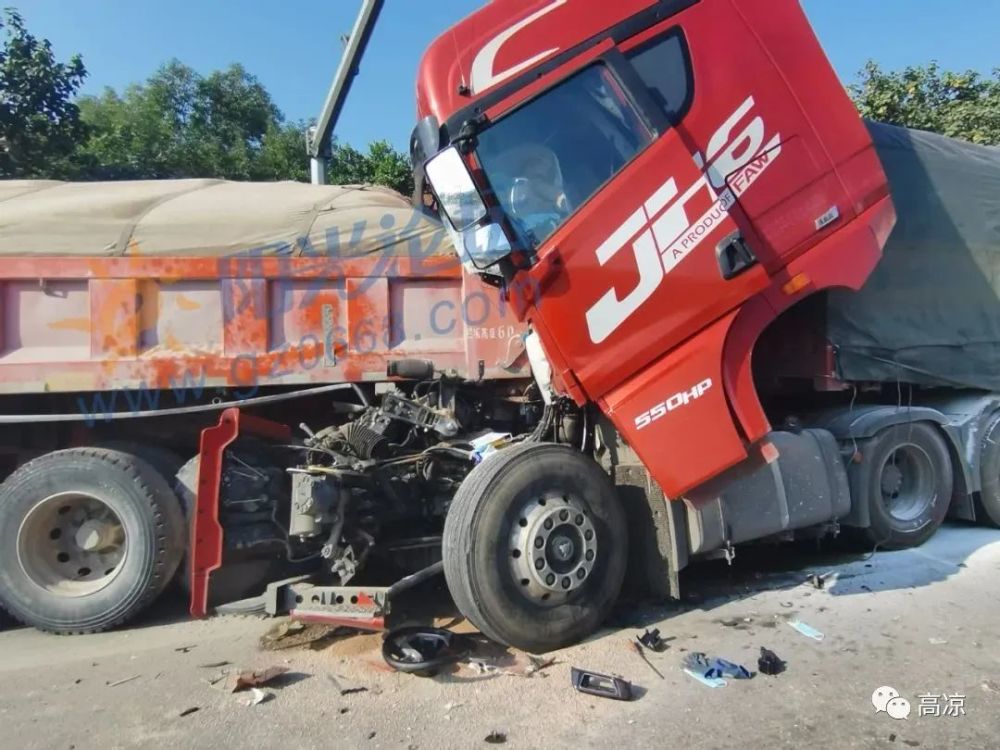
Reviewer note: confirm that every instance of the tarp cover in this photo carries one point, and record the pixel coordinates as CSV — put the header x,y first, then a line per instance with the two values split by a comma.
x,y
930,314
210,217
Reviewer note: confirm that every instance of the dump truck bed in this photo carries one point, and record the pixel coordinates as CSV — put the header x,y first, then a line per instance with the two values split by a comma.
x,y
192,283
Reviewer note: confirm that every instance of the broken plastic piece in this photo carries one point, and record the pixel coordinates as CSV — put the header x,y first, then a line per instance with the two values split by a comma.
x,y
496,738
806,630
423,651
770,663
601,685
651,640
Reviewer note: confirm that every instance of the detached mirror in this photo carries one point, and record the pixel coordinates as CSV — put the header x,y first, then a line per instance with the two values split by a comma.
x,y
456,192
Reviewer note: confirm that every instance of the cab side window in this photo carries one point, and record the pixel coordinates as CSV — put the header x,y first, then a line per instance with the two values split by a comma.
x,y
664,65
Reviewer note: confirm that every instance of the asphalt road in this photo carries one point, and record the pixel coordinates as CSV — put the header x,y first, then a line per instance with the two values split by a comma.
x,y
923,622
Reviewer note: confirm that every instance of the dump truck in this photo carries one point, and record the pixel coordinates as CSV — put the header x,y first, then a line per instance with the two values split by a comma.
x,y
657,325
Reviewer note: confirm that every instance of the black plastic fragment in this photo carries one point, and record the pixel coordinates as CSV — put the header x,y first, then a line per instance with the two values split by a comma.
x,y
770,663
651,640
601,685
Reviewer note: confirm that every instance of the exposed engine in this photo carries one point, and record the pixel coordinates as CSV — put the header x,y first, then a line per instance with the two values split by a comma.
x,y
380,483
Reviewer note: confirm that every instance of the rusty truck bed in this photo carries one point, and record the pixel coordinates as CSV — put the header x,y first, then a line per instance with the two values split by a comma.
x,y
72,324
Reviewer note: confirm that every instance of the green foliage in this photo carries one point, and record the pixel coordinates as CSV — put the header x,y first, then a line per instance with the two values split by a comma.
x,y
40,126
180,124
382,165
959,105
177,123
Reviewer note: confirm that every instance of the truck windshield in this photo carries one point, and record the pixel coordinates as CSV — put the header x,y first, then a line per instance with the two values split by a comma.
x,y
548,157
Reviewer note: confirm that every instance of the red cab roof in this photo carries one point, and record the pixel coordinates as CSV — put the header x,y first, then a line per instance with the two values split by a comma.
x,y
506,38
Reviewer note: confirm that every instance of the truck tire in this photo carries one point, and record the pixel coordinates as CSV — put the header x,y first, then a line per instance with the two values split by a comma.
x,y
88,538
535,547
988,502
906,478
165,461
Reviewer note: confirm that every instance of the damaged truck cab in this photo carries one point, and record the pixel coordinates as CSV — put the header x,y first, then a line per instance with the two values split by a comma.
x,y
664,206
651,184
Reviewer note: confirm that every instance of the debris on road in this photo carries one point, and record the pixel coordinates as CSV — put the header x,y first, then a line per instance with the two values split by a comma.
x,y
937,641
770,663
423,650
257,697
817,581
344,686
240,681
537,664
601,685
496,738
214,664
642,655
188,711
122,682
651,639
185,649
806,630
990,686
739,623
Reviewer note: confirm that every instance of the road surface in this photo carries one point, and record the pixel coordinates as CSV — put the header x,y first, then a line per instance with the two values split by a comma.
x,y
923,622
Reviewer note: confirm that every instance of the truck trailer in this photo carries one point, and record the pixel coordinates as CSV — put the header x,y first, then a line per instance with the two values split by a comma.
x,y
639,336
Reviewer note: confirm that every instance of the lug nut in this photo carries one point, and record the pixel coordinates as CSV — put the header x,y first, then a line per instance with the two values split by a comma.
x,y
539,564
539,543
566,583
564,515
550,579
548,523
590,555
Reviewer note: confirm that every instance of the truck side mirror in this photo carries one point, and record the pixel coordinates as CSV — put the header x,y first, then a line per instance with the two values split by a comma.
x,y
456,192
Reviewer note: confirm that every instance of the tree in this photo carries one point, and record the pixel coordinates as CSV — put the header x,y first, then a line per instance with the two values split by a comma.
x,y
178,123
181,124
40,125
382,165
959,105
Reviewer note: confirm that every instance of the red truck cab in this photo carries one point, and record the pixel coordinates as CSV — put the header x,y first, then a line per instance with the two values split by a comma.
x,y
662,179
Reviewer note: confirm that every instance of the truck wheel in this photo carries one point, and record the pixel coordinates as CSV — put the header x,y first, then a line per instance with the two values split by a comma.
x,y
88,538
907,479
535,547
165,461
988,503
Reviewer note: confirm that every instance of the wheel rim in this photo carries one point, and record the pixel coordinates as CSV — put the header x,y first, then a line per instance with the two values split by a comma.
x,y
71,544
553,548
907,482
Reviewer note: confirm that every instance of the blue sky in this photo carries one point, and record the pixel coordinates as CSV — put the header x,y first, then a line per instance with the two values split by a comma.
x,y
294,47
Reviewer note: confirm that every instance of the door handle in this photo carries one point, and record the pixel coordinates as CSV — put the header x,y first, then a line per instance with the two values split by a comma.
x,y
735,256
